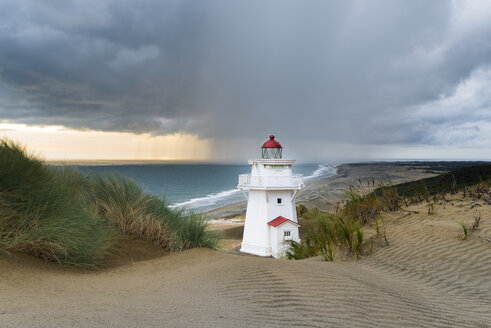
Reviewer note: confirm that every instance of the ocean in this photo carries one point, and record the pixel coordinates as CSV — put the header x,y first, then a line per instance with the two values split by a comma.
x,y
197,187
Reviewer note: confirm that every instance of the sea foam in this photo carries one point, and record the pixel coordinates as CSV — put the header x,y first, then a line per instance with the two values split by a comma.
x,y
322,171
208,200
229,196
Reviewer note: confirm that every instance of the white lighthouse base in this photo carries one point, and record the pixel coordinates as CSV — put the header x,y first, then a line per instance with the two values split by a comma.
x,y
280,237
255,250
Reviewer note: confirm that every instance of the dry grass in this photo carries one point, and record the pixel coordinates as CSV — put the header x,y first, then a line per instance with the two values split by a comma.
x,y
123,202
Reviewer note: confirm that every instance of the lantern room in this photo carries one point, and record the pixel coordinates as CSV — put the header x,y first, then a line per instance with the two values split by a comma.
x,y
271,149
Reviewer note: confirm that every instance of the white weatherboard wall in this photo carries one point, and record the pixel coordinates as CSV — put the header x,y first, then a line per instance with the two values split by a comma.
x,y
270,180
256,238
286,208
278,238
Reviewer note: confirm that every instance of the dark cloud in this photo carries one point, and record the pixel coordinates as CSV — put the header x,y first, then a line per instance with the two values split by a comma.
x,y
352,72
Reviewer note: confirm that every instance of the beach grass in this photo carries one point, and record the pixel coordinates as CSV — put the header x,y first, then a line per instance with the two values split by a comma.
x,y
188,230
330,233
61,215
465,229
123,202
47,212
191,231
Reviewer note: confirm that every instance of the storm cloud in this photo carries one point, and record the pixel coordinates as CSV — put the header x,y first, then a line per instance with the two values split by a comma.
x,y
348,72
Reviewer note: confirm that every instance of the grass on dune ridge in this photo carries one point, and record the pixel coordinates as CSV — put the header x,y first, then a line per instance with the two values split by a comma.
x,y
46,212
60,215
122,201
342,232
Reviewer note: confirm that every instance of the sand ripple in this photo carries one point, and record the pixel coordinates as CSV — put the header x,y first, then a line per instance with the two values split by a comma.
x,y
427,277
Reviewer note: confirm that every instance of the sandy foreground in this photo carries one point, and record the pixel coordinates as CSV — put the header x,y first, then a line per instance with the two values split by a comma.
x,y
426,277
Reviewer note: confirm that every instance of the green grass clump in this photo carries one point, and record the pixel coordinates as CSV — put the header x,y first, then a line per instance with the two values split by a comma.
x,y
465,229
302,250
122,201
47,213
431,209
189,230
343,230
365,203
474,227
192,231
362,207
58,214
331,233
301,210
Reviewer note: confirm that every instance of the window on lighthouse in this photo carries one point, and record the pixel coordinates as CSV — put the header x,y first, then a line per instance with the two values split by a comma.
x,y
286,233
278,201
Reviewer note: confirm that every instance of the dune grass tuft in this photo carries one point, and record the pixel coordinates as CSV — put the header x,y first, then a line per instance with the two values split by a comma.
x,y
465,229
342,231
477,220
191,231
47,213
122,201
331,232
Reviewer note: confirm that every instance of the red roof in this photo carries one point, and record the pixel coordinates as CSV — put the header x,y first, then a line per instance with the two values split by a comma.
x,y
280,220
271,143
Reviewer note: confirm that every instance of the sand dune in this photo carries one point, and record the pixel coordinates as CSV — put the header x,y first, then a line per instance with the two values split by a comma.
x,y
426,250
427,277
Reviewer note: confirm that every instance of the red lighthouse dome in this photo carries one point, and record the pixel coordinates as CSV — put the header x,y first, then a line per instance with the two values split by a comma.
x,y
271,143
272,149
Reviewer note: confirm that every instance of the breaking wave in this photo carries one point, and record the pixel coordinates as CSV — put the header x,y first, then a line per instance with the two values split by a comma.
x,y
233,195
322,171
208,200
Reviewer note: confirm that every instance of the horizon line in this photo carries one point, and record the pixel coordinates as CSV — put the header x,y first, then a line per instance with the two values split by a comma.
x,y
189,161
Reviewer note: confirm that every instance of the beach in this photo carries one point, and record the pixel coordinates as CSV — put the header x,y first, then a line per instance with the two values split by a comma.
x,y
427,276
326,193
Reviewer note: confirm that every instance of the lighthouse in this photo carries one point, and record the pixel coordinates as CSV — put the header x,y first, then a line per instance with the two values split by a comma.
x,y
271,217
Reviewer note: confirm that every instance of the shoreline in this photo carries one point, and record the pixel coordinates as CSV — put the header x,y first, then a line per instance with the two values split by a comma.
x,y
231,196
325,193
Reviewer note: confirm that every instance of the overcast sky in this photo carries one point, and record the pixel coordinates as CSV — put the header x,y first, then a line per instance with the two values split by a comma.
x,y
333,80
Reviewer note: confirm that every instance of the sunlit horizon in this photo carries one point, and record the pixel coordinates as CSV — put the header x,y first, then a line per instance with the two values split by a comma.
x,y
60,144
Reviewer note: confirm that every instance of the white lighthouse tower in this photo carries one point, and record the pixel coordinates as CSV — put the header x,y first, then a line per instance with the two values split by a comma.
x,y
271,217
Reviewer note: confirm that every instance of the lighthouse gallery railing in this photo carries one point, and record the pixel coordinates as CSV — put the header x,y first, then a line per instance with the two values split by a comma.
x,y
250,181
